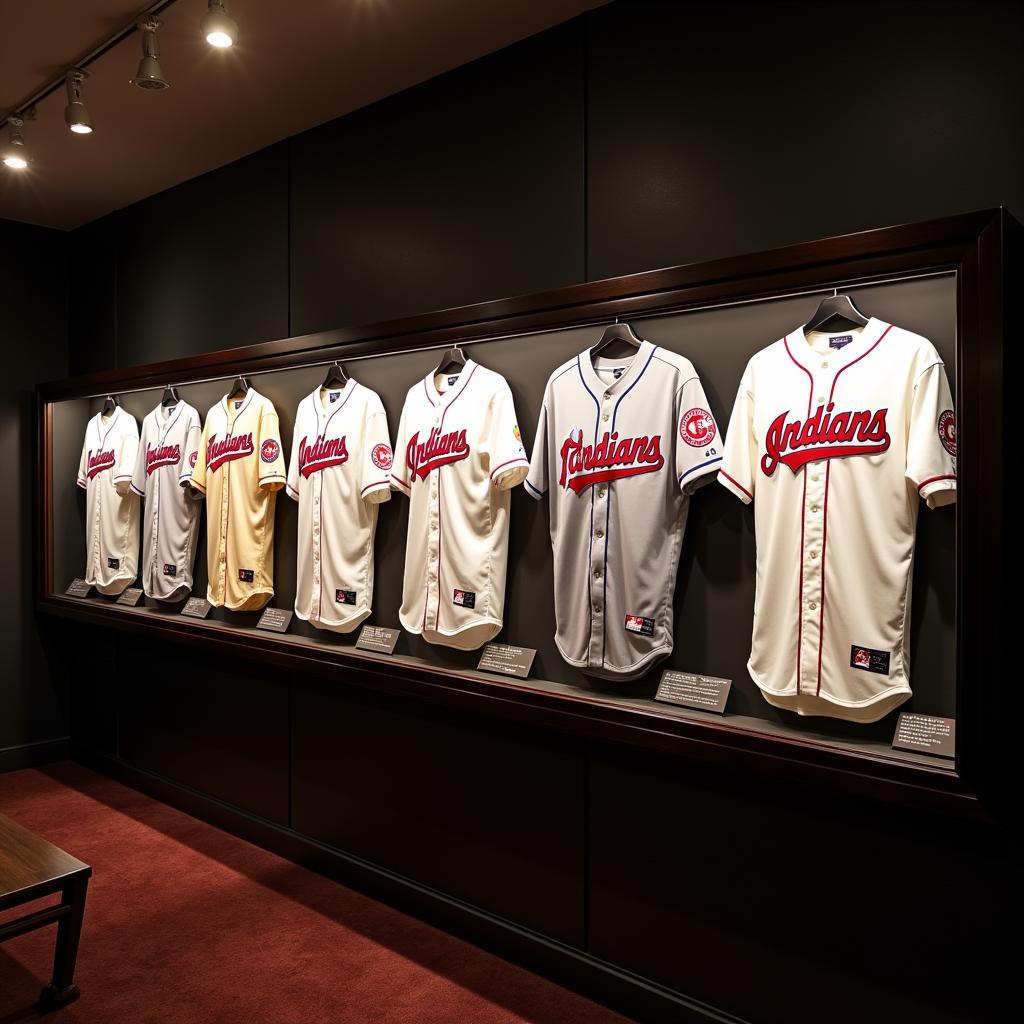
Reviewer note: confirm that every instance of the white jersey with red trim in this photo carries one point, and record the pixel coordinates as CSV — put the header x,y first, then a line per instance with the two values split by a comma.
x,y
836,438
111,509
340,471
621,445
167,453
457,455
239,468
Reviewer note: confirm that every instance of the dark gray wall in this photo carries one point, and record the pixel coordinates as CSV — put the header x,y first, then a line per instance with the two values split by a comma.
x,y
640,135
33,689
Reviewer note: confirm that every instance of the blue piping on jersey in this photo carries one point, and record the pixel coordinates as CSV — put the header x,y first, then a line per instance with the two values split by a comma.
x,y
539,494
693,469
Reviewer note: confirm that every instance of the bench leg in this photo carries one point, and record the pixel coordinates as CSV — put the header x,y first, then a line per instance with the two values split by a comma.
x,y
63,989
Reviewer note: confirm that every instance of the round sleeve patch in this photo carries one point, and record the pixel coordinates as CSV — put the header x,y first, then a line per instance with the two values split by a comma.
x,y
270,450
381,456
947,431
697,427
192,459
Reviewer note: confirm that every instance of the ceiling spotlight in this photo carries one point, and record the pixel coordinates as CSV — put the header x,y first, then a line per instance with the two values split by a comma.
x,y
15,155
220,29
150,76
76,117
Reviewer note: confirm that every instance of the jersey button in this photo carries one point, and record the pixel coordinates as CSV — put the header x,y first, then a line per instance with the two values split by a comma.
x,y
814,508
600,493
814,554
812,605
597,574
824,365
605,417
599,534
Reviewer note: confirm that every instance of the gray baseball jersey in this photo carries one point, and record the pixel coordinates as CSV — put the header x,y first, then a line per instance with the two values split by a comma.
x,y
620,446
111,510
167,452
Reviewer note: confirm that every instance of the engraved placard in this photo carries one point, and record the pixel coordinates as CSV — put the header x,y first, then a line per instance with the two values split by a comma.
x,y
380,639
196,608
690,690
926,734
276,620
78,588
130,597
506,660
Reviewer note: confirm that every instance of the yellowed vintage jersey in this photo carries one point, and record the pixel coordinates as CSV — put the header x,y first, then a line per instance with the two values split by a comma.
x,y
457,455
239,468
836,439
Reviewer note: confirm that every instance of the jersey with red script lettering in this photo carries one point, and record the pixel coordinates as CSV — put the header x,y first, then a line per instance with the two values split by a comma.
x,y
457,456
239,468
168,450
340,471
836,438
111,510
621,445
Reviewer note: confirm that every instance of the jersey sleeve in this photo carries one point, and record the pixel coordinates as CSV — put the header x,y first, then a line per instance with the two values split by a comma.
x,y
931,442
399,467
378,459
698,443
272,468
536,482
739,459
292,484
83,464
190,457
138,480
198,478
127,452
507,461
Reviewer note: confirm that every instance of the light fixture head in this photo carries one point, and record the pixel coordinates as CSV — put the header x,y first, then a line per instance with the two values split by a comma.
x,y
218,27
76,117
15,155
150,75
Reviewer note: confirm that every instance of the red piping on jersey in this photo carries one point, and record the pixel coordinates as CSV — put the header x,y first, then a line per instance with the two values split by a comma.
x,y
227,517
841,369
824,540
945,476
508,462
376,483
319,546
737,483
440,529
399,480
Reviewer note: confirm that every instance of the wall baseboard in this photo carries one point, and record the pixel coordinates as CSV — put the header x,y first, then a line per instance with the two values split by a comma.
x,y
30,755
572,968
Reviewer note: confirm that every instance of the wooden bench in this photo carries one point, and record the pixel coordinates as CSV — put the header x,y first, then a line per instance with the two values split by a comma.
x,y
31,868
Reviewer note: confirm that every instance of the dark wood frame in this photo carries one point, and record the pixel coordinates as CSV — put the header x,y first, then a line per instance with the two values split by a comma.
x,y
977,247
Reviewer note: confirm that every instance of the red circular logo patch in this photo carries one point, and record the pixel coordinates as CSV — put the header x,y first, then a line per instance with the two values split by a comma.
x,y
697,428
270,450
381,456
947,431
192,459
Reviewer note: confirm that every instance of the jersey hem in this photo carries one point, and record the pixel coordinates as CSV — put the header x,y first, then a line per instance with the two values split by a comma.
x,y
428,633
628,673
344,626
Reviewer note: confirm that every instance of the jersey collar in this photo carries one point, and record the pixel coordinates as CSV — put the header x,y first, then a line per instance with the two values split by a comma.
x,y
807,357
452,393
323,414
637,365
226,400
164,425
101,432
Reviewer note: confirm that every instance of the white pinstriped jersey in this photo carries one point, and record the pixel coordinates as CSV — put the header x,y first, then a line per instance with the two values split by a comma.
x,y
457,455
111,509
621,445
836,438
340,472
167,453
239,468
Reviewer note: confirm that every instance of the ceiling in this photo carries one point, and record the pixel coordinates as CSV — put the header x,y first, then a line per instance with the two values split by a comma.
x,y
295,65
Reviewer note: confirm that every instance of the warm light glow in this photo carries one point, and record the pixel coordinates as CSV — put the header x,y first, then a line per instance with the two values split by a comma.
x,y
219,39
17,163
81,129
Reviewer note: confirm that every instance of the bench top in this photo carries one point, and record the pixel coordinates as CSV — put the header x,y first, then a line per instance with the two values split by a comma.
x,y
30,866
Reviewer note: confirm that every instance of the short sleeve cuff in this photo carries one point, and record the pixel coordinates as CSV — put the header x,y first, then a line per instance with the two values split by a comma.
x,y
697,476
399,484
273,481
291,492
737,488
507,474
377,492
532,491
938,490
135,490
82,483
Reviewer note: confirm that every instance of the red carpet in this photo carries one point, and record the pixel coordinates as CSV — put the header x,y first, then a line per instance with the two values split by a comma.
x,y
188,925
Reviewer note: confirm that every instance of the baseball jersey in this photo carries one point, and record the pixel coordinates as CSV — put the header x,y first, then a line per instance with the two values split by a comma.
x,y
111,510
621,445
836,438
168,449
340,471
239,468
457,456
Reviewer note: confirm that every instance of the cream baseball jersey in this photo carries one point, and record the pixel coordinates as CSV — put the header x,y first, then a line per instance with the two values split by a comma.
x,y
620,447
457,455
340,471
836,438
111,510
168,449
239,468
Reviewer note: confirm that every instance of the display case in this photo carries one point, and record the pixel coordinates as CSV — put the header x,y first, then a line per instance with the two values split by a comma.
x,y
942,279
